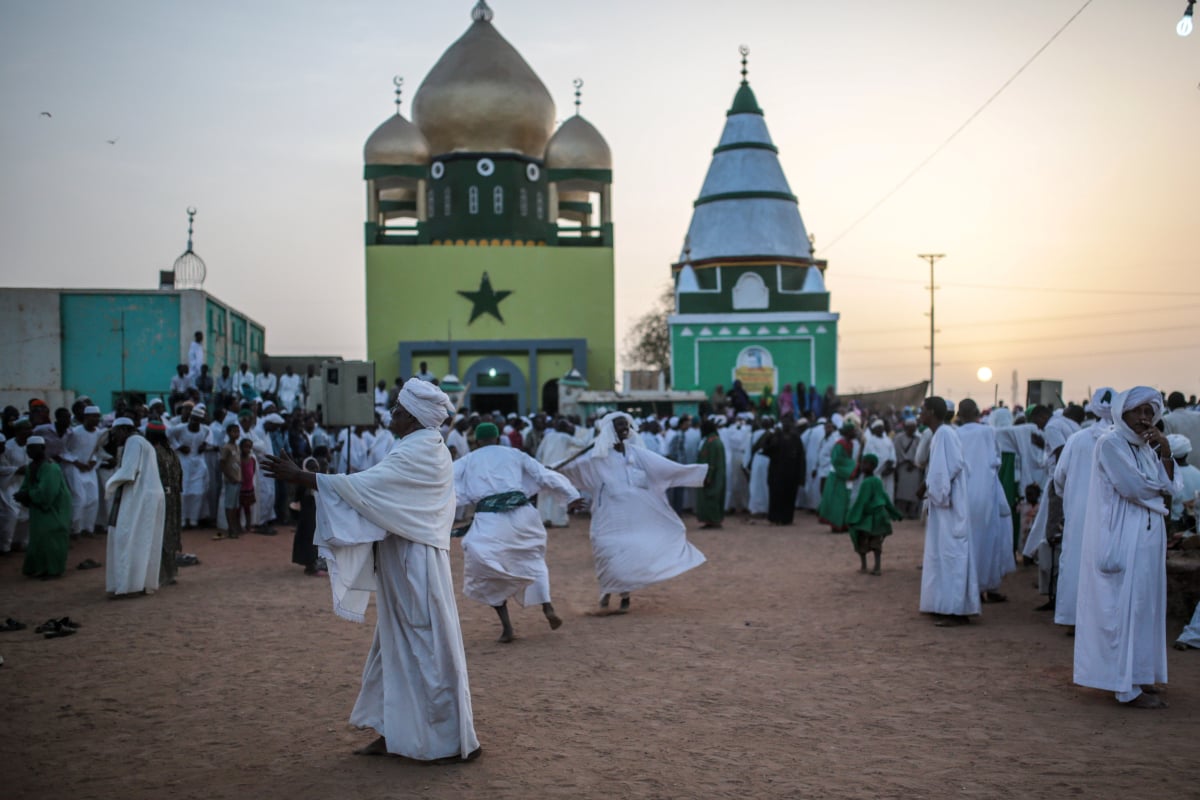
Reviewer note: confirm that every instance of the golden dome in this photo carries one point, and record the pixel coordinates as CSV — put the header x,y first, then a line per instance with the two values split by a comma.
x,y
482,97
578,145
396,142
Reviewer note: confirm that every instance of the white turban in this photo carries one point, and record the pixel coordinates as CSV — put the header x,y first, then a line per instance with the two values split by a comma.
x,y
35,440
1101,404
1131,399
275,419
1000,417
426,402
606,439
1180,445
120,422
91,410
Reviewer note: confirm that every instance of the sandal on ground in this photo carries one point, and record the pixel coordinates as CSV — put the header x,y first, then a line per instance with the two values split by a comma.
x,y
11,624
48,626
67,622
89,563
58,634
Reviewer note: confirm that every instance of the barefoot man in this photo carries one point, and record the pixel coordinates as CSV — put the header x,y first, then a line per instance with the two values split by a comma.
x,y
504,552
387,529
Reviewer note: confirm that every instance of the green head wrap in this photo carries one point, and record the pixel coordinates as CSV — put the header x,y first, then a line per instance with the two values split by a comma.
x,y
872,459
485,431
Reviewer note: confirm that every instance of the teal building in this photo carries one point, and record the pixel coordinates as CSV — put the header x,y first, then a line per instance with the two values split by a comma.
x,y
750,297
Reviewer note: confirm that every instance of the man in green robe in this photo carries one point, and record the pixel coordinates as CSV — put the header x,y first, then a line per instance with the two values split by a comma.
x,y
710,504
835,498
44,491
871,516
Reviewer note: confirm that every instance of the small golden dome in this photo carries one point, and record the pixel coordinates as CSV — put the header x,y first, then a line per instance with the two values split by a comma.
x,y
482,97
396,142
578,145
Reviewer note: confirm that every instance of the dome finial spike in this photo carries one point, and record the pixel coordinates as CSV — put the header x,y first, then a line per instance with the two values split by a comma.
x,y
745,51
191,212
578,82
481,12
398,82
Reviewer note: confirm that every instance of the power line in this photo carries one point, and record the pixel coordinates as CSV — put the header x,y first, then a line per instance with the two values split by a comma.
x,y
992,342
958,130
1042,357
1018,320
1017,288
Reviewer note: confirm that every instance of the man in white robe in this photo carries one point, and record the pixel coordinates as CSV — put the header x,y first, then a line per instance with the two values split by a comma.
x,y
135,541
758,465
504,552
191,442
991,518
266,382
353,446
1120,621
949,587
879,444
243,382
1072,481
557,446
814,441
289,390
1189,480
79,462
736,438
387,529
637,539
13,461
195,357
1055,429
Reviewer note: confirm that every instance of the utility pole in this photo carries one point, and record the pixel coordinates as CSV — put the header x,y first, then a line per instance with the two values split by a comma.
x,y
932,258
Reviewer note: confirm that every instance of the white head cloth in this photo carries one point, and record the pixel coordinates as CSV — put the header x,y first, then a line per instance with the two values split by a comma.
x,y
1000,417
836,419
34,440
156,401
1102,401
91,410
1180,445
1132,399
123,422
426,402
275,419
606,439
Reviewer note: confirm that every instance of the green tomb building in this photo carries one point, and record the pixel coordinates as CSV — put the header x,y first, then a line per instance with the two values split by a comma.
x,y
489,238
750,298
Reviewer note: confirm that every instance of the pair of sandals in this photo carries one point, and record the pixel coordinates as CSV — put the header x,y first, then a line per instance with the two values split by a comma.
x,y
57,628
11,624
89,563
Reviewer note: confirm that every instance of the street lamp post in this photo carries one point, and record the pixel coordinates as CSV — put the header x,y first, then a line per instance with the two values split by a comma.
x,y
932,258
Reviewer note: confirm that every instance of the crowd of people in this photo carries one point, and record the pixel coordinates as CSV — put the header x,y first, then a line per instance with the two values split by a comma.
x,y
1093,493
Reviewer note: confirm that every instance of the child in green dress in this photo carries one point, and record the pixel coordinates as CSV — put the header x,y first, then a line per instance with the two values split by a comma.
x,y
870,518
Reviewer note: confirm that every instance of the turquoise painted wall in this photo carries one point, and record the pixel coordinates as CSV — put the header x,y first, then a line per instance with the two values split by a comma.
x,y
91,343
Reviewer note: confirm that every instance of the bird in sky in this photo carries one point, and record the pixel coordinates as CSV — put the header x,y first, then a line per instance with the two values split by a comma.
x,y
47,114
112,141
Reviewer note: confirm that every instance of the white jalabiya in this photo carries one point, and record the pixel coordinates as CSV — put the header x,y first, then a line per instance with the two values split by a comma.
x,y
195,469
1191,634
353,455
883,449
737,488
79,450
924,442
556,447
1072,481
948,581
814,442
457,441
637,539
266,383
1058,429
289,391
195,361
212,462
264,487
13,458
382,443
759,465
991,518
135,542
504,554
415,691
1120,621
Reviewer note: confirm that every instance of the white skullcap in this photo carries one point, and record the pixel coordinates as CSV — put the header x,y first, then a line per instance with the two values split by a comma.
x,y
673,422
91,410
877,424
1180,445
426,402
123,422
1101,404
156,401
267,405
273,418
198,413
822,420
836,420
34,440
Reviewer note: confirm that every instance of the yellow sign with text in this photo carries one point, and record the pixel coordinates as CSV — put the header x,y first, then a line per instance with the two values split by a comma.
x,y
755,379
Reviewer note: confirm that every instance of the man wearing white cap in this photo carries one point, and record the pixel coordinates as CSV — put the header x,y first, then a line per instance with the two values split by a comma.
x,y
1072,480
879,444
387,529
79,468
191,441
136,495
10,480
1120,619
1189,477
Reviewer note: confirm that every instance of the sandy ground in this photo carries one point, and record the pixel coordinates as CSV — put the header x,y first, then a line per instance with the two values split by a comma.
x,y
775,670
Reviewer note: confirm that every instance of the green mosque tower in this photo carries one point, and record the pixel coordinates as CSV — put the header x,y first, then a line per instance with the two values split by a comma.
x,y
750,297
489,237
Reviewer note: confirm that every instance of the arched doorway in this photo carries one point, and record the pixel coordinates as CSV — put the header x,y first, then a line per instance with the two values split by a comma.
x,y
496,385
550,396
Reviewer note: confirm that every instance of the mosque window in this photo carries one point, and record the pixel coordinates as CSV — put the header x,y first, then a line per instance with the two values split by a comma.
x,y
524,203
446,201
431,204
498,200
473,200
541,206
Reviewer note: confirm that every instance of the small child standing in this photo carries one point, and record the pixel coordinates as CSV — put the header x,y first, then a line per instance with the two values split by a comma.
x,y
246,496
231,481
870,518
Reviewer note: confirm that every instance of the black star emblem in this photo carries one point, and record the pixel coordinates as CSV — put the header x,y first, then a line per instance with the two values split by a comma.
x,y
486,300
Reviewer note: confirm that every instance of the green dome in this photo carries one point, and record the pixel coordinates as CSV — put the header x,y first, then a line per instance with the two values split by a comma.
x,y
744,102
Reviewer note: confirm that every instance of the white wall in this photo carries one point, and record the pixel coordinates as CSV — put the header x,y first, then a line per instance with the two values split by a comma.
x,y
30,341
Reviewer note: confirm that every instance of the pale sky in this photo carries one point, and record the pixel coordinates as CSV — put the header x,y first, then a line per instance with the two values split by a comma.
x,y
1082,175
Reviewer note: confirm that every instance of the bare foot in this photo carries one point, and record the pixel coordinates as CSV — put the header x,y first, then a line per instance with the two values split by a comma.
x,y
375,748
1144,700
1181,646
506,637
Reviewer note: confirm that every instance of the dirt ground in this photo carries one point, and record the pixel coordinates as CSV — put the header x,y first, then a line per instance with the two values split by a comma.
x,y
774,670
